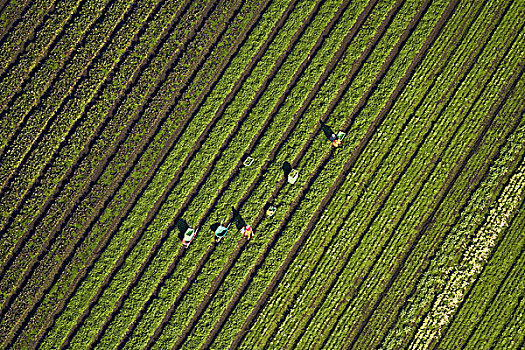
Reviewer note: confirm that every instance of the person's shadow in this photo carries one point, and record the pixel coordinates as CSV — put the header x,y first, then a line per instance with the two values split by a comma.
x,y
182,226
287,168
237,219
328,132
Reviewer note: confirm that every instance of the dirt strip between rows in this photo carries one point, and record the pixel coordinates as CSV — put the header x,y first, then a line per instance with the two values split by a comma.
x,y
338,182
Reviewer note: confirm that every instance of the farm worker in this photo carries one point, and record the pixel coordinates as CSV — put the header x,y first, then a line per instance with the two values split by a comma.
x,y
335,140
248,231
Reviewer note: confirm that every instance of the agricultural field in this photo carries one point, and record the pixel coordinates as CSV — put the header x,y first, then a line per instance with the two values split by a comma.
x,y
262,174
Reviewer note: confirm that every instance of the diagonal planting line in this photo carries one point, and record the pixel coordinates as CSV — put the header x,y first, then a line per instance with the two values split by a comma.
x,y
333,61
210,7
47,90
388,185
344,217
427,222
157,245
432,248
346,168
14,19
55,116
235,255
436,341
332,106
29,40
171,268
122,136
9,260
276,66
225,185
43,250
351,292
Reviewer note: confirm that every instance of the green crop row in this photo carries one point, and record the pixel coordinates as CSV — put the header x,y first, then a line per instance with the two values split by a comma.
x,y
147,79
423,250
144,328
511,334
34,51
103,304
390,306
405,50
321,141
47,88
329,87
44,117
494,300
123,192
152,227
466,175
76,141
15,36
447,255
319,60
46,264
395,245
307,254
287,197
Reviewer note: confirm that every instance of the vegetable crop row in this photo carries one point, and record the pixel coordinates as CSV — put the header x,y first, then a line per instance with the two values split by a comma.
x,y
48,86
148,78
35,48
18,30
217,21
314,148
221,130
59,166
94,315
397,244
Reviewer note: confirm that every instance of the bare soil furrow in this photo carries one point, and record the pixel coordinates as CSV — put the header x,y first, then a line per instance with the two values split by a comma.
x,y
233,257
501,284
351,161
15,12
426,224
48,167
18,123
346,84
389,186
15,185
102,244
209,8
223,106
344,302
161,240
17,63
18,15
98,172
